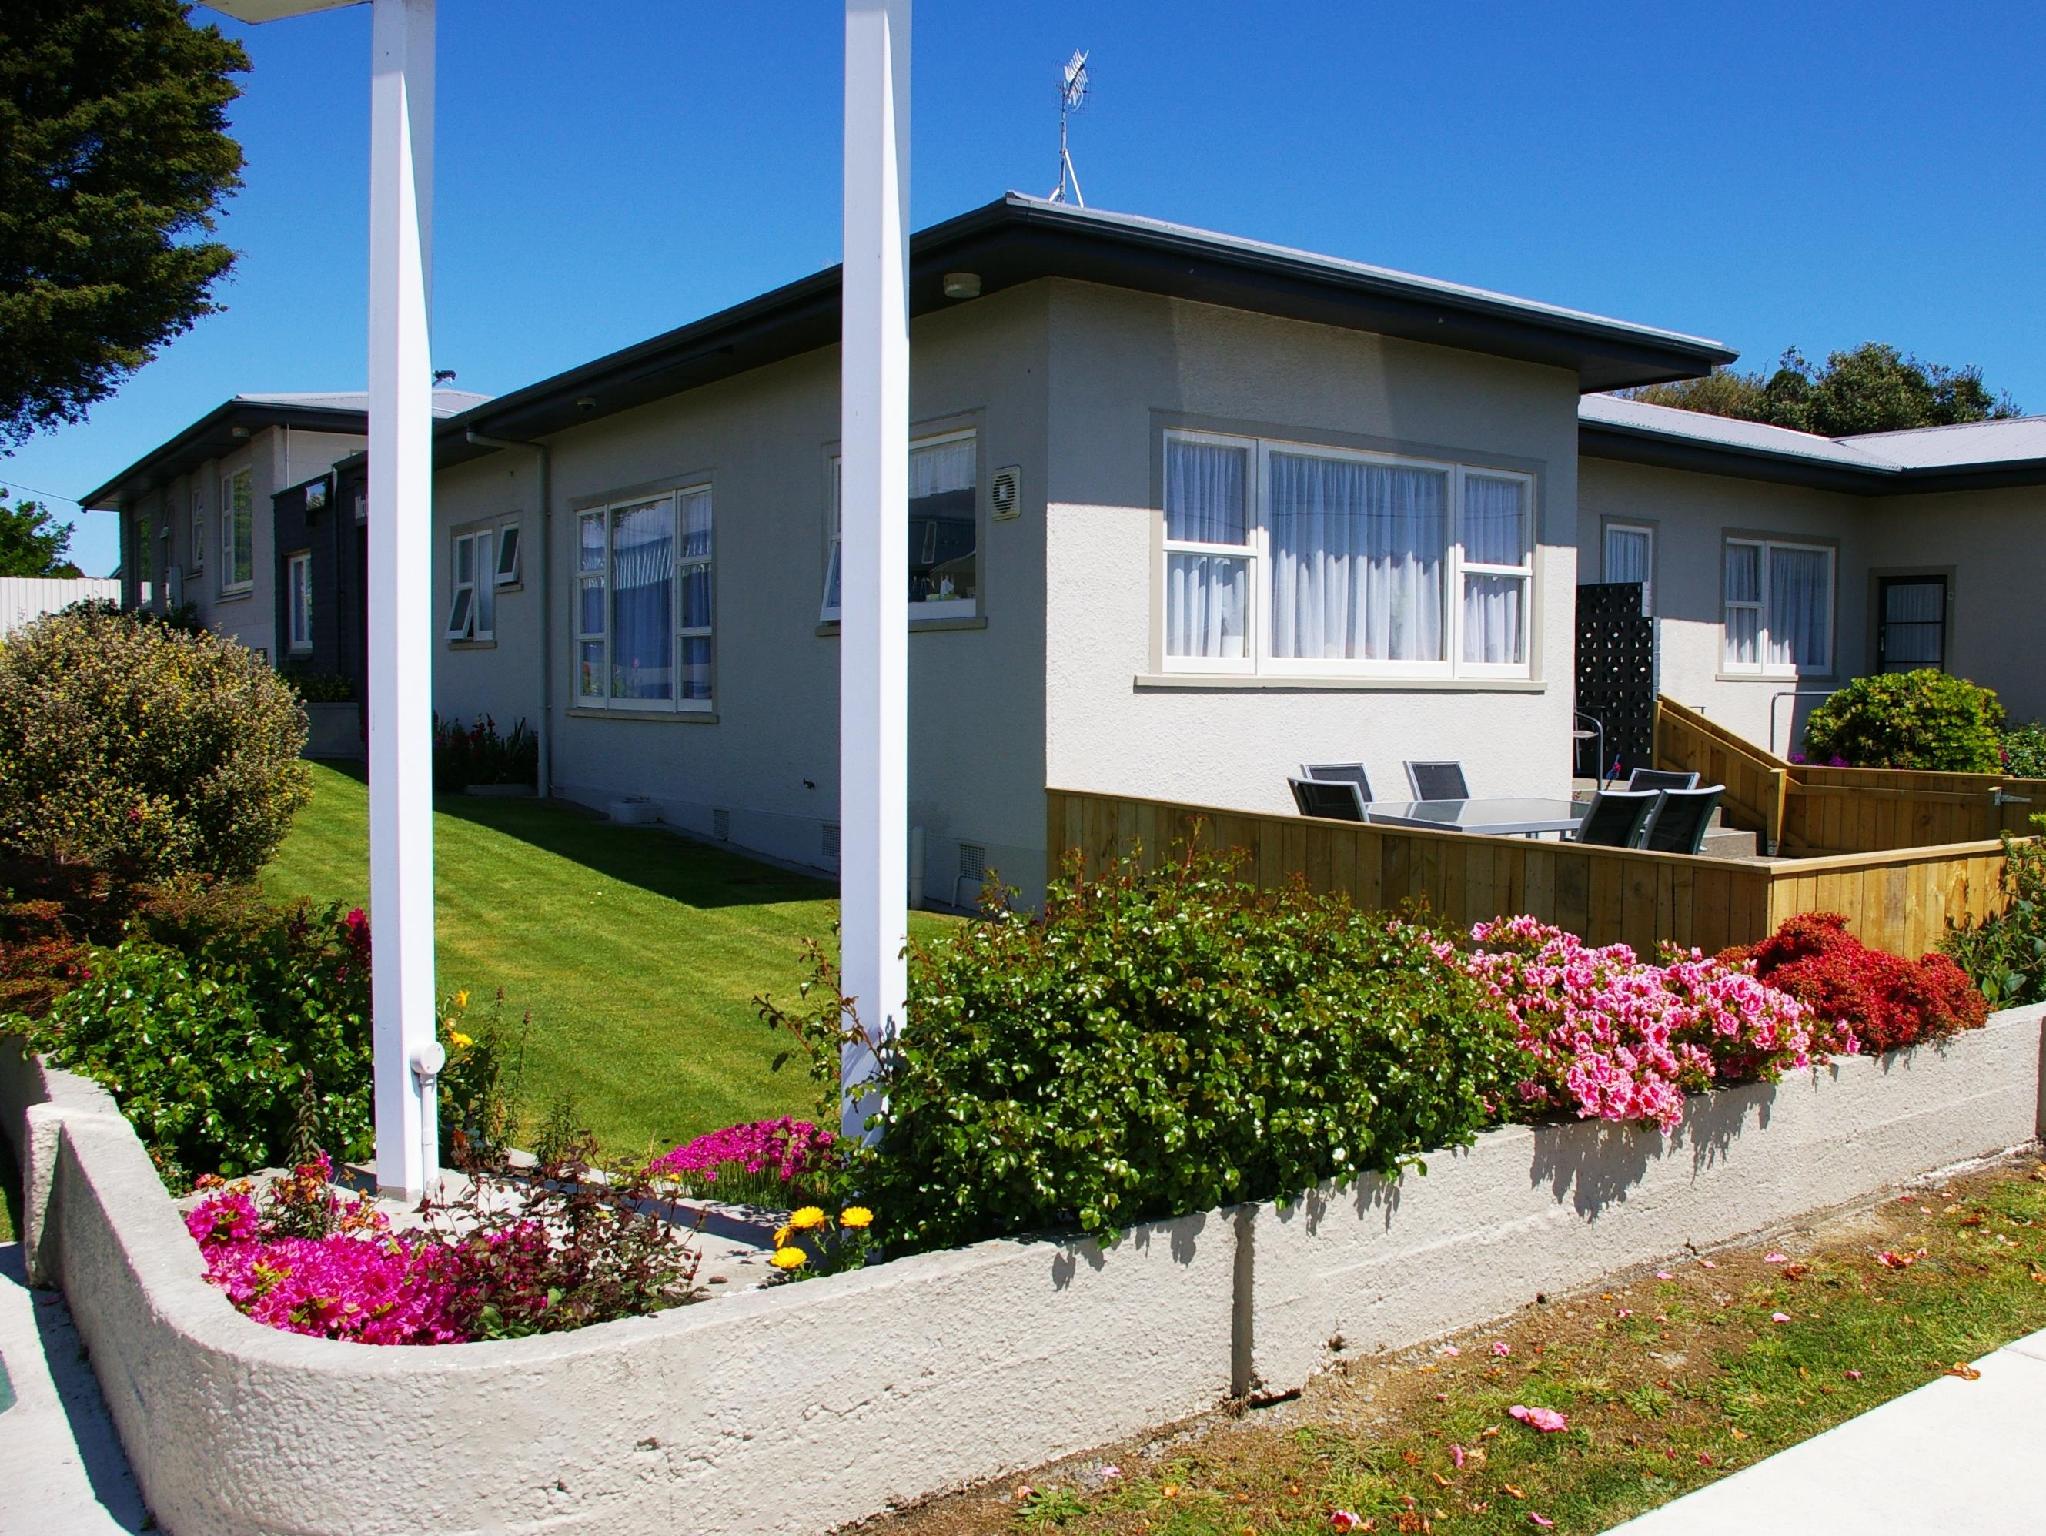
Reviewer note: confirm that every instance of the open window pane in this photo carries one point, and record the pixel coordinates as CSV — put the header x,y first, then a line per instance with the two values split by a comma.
x,y
642,601
461,612
508,556
1359,559
1207,606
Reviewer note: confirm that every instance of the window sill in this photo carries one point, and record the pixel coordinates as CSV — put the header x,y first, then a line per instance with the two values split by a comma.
x,y
829,627
233,594
1781,679
1254,682
665,716
473,645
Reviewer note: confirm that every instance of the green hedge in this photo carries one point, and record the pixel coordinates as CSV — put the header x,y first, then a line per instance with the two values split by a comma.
x,y
1925,720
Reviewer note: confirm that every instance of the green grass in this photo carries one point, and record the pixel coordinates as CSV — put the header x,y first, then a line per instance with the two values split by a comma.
x,y
1666,1384
637,953
10,1195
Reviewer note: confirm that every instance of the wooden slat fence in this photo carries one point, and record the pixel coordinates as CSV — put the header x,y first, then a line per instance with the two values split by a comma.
x,y
1898,901
1797,808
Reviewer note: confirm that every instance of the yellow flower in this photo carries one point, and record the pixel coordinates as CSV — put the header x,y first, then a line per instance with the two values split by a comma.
x,y
462,998
782,1236
856,1216
808,1218
789,1258
458,1040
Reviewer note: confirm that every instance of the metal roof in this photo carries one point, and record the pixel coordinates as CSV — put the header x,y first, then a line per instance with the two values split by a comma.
x,y
1019,239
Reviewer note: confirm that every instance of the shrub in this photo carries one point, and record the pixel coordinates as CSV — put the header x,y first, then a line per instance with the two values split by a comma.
x,y
143,749
1888,1001
2024,751
1159,1043
2005,954
480,1083
775,1163
1926,720
477,754
1614,1037
321,687
227,1055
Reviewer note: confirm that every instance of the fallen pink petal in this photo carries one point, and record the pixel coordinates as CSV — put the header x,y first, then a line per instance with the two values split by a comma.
x,y
1501,1347
1547,1420
1663,1274
1779,1317
1456,1456
1775,1258
1541,1520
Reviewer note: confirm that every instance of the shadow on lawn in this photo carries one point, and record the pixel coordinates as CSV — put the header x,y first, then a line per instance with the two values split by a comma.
x,y
694,874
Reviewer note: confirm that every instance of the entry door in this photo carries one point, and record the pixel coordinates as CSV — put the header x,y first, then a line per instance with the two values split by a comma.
x,y
1911,624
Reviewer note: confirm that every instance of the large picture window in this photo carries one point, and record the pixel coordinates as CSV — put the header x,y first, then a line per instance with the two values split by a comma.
x,y
237,532
1285,558
1778,608
944,529
644,603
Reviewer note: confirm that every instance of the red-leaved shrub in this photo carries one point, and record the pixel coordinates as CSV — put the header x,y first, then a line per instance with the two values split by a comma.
x,y
1887,1000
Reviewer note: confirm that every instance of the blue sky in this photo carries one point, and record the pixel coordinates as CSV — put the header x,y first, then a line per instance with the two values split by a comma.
x,y
1767,174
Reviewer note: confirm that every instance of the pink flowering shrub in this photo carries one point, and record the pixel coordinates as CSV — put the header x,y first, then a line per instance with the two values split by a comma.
x,y
769,1162
1614,1037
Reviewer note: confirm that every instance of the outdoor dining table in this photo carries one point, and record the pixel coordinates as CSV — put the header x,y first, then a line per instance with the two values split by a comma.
x,y
1510,817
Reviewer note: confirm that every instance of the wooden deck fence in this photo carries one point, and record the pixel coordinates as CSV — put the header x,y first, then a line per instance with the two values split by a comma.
x,y
1901,901
1796,808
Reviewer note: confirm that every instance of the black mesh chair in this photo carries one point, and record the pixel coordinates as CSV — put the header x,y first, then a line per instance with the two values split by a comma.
x,y
1617,817
1681,818
1437,781
1661,778
1334,800
1339,773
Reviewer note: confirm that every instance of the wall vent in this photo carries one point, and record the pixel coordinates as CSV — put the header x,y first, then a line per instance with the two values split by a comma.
x,y
721,824
829,844
1005,493
972,861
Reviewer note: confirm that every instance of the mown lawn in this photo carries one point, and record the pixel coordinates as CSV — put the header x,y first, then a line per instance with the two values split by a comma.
x,y
1666,1380
637,953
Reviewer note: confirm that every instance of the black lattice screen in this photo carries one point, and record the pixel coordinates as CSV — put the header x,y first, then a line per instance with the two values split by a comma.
x,y
1615,676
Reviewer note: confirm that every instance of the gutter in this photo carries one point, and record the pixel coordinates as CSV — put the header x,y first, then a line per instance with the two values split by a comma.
x,y
544,776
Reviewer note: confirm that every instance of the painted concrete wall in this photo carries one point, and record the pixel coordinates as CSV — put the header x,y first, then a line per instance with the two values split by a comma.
x,y
1692,514
767,755
1127,366
1991,546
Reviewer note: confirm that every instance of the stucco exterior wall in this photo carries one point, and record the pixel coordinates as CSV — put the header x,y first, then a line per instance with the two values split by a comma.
x,y
1692,514
767,754
1127,366
1991,547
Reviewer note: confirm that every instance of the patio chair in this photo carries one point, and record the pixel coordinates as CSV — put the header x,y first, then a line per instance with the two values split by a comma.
x,y
1331,799
1437,781
1339,773
1681,818
1617,817
1661,778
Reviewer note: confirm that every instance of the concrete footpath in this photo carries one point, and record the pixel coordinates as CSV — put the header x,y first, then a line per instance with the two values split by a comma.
x,y
62,1472
1955,1455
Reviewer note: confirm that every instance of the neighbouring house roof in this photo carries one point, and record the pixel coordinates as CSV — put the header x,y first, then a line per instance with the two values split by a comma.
x,y
1973,456
1018,239
224,428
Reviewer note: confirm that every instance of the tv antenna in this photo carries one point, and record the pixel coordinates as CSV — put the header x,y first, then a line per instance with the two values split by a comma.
x,y
1072,96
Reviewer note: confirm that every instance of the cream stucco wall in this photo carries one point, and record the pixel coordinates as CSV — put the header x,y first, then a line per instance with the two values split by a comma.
x,y
1125,367
1692,515
767,756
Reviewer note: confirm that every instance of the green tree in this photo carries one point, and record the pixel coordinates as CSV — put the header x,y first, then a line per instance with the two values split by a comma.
x,y
33,542
1871,388
114,157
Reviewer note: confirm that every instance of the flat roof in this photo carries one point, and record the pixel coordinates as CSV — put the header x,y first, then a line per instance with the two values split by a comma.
x,y
1018,239
1969,456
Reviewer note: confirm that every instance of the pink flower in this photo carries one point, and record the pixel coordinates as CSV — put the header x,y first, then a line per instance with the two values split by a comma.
x,y
1663,1274
1779,1317
1547,1420
1624,1312
1775,1258
1456,1456
1540,1520
1501,1347
1854,1375
1344,1520
1707,1264
1450,1350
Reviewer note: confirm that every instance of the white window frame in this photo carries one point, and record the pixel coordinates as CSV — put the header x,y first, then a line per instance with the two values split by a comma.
x,y
509,567
675,496
1761,665
940,608
468,623
1260,661
298,602
236,486
1605,557
198,530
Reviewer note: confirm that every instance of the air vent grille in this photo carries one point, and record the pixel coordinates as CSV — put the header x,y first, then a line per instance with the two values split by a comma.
x,y
972,861
721,824
1005,492
828,844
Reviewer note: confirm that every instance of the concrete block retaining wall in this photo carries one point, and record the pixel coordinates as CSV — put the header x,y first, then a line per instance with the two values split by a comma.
x,y
799,1408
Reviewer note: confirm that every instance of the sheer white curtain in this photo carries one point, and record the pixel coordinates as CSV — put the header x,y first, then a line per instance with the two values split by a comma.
x,y
1629,556
1358,560
938,467
1800,608
1495,601
1207,595
643,600
1743,582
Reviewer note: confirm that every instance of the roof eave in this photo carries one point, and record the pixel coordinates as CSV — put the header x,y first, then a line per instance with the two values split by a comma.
x,y
151,470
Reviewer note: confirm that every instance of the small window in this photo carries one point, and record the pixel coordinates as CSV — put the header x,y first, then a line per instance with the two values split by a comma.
x,y
198,530
1630,557
944,536
1778,608
298,586
316,497
508,555
1911,630
472,603
237,531
644,611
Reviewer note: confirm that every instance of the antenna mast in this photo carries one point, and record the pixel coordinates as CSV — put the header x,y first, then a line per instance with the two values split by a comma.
x,y
1072,96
